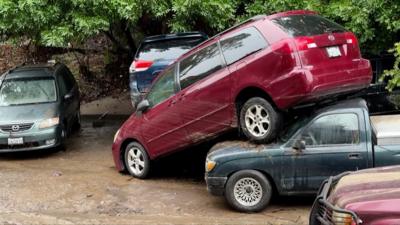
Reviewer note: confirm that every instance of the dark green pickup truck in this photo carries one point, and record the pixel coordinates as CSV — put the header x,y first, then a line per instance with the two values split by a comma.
x,y
330,141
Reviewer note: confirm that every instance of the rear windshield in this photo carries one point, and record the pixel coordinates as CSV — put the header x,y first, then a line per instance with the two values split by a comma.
x,y
307,25
167,49
23,91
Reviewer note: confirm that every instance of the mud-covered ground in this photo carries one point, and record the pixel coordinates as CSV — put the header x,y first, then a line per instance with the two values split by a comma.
x,y
81,186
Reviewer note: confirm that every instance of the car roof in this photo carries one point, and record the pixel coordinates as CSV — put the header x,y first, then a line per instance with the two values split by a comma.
x,y
32,70
163,37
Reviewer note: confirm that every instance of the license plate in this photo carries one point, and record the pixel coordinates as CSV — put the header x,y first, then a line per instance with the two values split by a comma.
x,y
15,141
333,51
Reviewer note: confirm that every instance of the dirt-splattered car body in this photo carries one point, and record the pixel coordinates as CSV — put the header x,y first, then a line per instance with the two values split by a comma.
x,y
39,106
370,196
264,57
301,171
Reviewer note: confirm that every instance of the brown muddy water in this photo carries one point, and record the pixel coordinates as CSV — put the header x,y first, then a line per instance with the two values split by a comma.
x,y
81,186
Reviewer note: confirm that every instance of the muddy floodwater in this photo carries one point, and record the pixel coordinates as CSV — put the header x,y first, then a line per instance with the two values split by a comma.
x,y
81,186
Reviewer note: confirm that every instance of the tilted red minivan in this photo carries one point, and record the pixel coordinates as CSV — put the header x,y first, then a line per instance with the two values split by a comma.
x,y
241,78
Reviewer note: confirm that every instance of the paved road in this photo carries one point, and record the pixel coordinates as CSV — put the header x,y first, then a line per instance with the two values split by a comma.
x,y
81,186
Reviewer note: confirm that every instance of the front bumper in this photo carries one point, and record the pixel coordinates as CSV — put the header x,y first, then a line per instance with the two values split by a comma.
x,y
216,185
32,140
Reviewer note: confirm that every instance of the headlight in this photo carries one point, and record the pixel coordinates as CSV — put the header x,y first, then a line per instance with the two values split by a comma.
x,y
116,135
210,165
49,122
342,218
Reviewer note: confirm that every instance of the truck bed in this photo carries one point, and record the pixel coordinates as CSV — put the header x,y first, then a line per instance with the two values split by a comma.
x,y
387,129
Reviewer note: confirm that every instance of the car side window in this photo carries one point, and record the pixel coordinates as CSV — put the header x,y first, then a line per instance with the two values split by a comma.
x,y
61,86
242,44
200,65
334,129
163,88
69,79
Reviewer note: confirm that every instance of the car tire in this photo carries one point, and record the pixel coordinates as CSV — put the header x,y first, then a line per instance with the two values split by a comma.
x,y
77,122
136,160
63,137
259,120
248,191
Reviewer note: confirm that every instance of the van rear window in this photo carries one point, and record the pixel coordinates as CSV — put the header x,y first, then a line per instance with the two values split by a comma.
x,y
307,25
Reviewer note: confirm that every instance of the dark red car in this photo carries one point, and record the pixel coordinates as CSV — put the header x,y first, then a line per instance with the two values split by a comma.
x,y
370,196
243,77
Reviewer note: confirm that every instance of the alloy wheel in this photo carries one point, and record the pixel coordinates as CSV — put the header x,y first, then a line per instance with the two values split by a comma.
x,y
257,120
248,191
135,161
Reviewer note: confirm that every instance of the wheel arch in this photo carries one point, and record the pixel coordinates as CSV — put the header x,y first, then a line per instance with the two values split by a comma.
x,y
123,146
264,173
250,92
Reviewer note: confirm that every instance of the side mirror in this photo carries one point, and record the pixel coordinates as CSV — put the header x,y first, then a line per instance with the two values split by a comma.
x,y
68,96
299,145
143,106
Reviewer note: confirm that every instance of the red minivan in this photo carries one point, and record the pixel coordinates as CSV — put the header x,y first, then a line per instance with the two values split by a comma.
x,y
244,77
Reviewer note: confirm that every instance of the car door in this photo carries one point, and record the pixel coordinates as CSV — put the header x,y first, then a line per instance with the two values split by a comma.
x,y
334,144
205,98
66,102
161,126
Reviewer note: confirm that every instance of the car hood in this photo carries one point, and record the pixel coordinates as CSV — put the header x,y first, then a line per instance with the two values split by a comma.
x,y
225,151
358,190
27,113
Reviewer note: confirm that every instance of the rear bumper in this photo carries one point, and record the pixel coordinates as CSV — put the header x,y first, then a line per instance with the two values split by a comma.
x,y
309,85
216,185
35,140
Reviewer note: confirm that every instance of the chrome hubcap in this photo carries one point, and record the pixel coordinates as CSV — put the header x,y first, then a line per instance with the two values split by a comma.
x,y
248,191
257,120
135,161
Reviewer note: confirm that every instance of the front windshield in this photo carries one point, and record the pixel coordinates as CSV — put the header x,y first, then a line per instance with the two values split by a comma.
x,y
23,91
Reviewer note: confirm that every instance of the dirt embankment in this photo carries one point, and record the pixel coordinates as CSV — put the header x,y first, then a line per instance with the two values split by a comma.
x,y
11,56
99,73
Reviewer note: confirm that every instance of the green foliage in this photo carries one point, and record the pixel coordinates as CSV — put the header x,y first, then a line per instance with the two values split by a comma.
x,y
393,74
375,22
59,22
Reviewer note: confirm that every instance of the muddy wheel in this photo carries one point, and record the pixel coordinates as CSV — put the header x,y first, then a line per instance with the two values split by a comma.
x,y
63,137
248,191
77,122
137,160
259,120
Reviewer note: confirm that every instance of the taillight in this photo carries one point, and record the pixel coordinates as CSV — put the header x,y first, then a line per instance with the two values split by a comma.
x,y
140,65
351,38
304,43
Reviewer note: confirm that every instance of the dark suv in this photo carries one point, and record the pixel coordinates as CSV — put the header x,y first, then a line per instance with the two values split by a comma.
x,y
154,54
242,78
39,106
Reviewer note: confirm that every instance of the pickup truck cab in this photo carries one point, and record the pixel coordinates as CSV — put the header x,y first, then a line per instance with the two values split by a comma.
x,y
327,142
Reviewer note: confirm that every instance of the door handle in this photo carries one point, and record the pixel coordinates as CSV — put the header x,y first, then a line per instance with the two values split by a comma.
x,y
354,156
172,102
181,97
